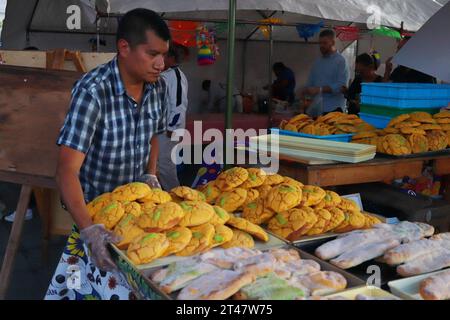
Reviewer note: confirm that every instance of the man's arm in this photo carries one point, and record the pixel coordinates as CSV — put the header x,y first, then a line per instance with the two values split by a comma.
x,y
154,152
69,164
388,70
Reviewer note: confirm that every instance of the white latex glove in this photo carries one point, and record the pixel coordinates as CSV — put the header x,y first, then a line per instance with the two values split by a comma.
x,y
151,180
96,237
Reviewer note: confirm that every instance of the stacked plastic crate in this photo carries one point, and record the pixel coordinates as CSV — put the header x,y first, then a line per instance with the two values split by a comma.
x,y
380,102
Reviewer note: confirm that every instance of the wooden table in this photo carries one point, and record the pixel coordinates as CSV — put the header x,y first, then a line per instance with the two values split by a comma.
x,y
378,170
33,105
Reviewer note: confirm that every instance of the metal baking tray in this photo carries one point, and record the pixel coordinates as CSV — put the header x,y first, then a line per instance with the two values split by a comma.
x,y
370,291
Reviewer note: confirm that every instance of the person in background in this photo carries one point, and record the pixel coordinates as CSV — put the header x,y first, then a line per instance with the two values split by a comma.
x,y
403,74
366,67
284,85
177,86
328,75
216,97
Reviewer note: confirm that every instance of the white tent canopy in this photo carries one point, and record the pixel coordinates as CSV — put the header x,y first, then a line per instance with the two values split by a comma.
x,y
49,16
414,13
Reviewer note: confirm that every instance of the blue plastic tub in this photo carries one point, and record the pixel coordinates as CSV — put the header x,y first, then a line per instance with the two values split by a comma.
x,y
379,122
404,103
337,137
416,91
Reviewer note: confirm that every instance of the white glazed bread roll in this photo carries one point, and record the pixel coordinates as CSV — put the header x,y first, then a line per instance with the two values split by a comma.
x,y
341,245
258,265
364,253
319,283
216,285
433,261
226,258
178,275
436,287
442,236
410,251
298,267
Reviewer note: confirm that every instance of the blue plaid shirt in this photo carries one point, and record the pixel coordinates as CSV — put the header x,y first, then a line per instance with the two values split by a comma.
x,y
109,127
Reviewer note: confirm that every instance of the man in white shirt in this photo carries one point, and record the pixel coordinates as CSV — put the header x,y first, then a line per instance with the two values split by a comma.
x,y
177,87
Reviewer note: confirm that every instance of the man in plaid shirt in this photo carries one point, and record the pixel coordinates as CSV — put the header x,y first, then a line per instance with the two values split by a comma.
x,y
109,137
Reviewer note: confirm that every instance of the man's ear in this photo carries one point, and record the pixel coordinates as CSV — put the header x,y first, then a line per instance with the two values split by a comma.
x,y
123,47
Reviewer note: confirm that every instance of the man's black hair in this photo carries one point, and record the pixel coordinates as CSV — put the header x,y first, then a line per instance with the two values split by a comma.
x,y
206,84
328,33
367,60
135,23
279,66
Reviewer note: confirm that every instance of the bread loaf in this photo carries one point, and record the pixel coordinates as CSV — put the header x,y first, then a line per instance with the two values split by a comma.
x,y
433,261
436,287
364,253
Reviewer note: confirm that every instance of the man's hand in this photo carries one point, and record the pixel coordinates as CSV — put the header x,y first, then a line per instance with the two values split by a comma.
x,y
312,91
389,65
96,237
151,180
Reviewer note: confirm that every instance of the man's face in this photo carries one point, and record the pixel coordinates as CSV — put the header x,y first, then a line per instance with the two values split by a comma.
x,y
277,72
145,62
326,45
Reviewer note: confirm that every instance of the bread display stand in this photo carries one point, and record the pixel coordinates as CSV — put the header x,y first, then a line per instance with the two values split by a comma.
x,y
34,103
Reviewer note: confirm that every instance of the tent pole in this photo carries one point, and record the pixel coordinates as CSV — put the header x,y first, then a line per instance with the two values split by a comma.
x,y
30,22
230,74
98,35
270,72
244,65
